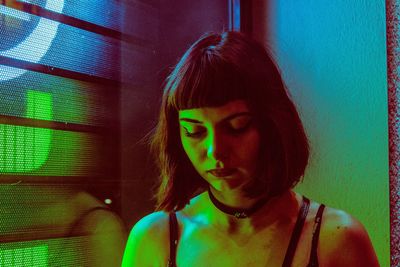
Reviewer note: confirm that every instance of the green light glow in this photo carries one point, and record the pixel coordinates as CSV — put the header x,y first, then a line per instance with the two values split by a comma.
x,y
36,256
24,149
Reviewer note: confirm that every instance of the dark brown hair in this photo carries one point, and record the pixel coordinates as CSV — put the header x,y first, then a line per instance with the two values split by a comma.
x,y
216,69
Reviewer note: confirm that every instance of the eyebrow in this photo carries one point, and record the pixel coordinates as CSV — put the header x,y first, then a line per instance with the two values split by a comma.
x,y
230,117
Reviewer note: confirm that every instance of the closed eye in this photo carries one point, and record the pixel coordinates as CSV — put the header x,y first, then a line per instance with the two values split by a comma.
x,y
192,134
240,125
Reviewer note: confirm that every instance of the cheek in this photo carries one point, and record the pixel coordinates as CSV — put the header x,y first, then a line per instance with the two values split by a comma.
x,y
249,150
190,151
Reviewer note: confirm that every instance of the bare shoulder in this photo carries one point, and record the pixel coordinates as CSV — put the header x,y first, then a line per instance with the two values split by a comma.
x,y
149,235
344,241
154,223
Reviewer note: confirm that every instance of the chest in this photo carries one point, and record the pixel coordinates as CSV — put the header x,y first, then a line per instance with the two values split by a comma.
x,y
201,246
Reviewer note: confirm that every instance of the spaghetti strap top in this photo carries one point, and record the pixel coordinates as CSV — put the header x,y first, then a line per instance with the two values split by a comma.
x,y
298,227
301,217
313,261
173,239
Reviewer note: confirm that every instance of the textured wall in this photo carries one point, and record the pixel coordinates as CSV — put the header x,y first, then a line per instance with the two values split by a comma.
x,y
333,58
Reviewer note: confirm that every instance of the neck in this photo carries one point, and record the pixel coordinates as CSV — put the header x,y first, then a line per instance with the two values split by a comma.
x,y
239,207
271,211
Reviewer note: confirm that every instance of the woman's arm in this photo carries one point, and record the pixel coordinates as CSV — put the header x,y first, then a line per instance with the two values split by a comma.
x,y
346,242
147,242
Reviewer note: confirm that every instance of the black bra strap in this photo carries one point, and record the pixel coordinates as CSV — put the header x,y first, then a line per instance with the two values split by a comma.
x,y
317,226
173,239
296,232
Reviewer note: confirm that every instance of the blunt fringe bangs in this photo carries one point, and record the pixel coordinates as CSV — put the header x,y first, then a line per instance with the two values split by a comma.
x,y
204,77
216,69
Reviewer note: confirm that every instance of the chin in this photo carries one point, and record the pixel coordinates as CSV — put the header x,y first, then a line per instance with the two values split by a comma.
x,y
227,184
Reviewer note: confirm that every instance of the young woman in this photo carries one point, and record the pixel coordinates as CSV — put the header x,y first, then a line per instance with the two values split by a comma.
x,y
230,147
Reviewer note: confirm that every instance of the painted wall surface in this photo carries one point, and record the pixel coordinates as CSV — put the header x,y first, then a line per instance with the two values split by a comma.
x,y
333,58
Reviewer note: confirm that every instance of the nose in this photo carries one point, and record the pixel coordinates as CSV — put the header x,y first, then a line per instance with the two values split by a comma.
x,y
217,147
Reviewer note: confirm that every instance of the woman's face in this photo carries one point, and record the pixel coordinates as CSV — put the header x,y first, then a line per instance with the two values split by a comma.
x,y
223,143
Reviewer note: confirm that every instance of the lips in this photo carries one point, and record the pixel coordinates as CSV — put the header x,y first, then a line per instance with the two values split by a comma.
x,y
222,172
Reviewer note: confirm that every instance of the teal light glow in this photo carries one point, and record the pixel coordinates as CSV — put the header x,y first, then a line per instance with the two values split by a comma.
x,y
40,38
24,149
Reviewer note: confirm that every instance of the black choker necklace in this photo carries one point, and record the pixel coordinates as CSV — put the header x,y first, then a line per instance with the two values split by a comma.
x,y
238,213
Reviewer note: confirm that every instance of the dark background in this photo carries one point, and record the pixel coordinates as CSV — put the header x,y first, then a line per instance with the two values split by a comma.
x,y
171,26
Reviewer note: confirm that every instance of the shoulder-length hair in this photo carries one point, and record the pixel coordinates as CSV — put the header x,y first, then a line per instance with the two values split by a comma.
x,y
216,69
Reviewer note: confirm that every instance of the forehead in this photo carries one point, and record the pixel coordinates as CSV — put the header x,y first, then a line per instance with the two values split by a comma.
x,y
215,113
